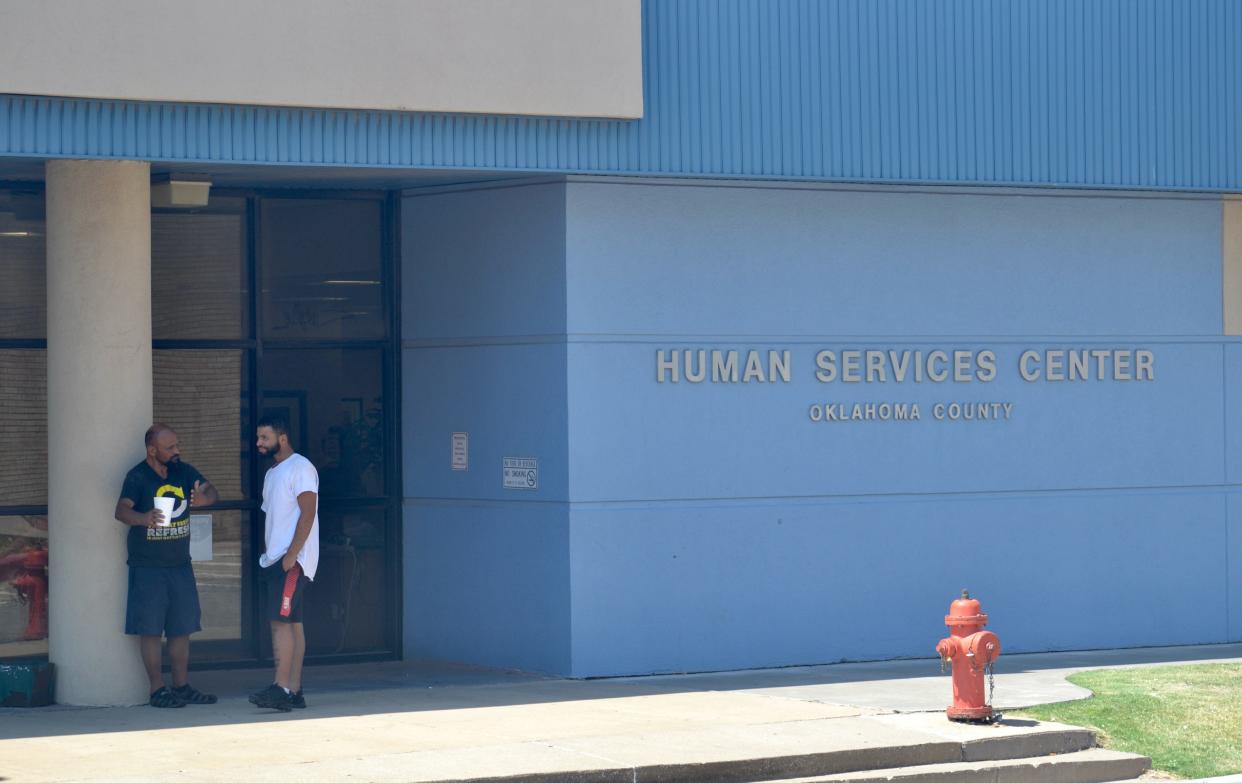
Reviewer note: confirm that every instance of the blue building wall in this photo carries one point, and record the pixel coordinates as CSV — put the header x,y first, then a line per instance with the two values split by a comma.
x,y
1095,93
486,569
716,526
698,526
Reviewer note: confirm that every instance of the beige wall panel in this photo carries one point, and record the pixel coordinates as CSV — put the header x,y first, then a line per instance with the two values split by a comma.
x,y
1231,264
578,58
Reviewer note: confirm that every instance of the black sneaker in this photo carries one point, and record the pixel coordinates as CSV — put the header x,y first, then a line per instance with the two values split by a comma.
x,y
273,697
297,701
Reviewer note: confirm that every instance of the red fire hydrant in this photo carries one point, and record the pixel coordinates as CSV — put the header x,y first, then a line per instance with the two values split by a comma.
x,y
28,573
971,651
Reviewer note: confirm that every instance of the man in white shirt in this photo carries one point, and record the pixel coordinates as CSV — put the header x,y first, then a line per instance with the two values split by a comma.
x,y
290,559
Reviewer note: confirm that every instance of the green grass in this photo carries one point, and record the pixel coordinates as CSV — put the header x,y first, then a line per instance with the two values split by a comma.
x,y
1188,719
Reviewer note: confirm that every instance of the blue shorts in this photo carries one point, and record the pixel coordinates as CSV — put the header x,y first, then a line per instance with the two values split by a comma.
x,y
162,601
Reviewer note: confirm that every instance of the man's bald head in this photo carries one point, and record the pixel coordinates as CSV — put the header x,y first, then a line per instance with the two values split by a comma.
x,y
154,431
162,444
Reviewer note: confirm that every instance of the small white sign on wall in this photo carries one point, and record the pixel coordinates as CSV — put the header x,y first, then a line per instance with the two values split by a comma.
x,y
461,451
521,473
200,537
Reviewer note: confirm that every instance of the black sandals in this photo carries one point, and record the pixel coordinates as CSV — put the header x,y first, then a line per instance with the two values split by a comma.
x,y
191,695
164,697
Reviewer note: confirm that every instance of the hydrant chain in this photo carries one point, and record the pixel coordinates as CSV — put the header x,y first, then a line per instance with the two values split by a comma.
x,y
991,683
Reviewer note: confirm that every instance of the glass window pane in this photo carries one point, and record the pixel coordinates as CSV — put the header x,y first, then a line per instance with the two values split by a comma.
x,y
23,586
23,427
198,273
201,393
347,606
321,262
221,593
23,266
332,399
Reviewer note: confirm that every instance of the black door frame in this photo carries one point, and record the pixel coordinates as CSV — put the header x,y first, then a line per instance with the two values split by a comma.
x,y
255,640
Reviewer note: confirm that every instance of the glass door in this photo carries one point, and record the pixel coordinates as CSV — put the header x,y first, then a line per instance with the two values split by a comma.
x,y
284,305
327,350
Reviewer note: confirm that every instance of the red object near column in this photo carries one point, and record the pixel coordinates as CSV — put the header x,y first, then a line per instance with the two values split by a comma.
x,y
27,571
970,650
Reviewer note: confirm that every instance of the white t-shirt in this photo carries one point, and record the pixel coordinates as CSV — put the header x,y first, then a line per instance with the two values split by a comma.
x,y
281,486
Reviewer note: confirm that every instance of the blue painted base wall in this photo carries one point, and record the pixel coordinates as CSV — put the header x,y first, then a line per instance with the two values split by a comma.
x,y
700,526
488,584
486,569
745,584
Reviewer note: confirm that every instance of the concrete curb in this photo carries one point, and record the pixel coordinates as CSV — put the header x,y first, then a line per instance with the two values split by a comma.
x,y
1088,766
1014,748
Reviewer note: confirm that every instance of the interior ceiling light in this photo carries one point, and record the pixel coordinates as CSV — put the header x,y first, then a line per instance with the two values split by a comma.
x,y
351,282
20,234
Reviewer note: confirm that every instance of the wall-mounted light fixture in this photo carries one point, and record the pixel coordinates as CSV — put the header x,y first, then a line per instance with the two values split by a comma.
x,y
180,190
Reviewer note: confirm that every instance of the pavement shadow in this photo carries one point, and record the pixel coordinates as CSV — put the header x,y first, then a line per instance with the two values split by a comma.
x,y
341,691
1025,722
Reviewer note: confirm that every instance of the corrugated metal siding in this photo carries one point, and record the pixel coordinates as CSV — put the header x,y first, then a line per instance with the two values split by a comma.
x,y
1124,93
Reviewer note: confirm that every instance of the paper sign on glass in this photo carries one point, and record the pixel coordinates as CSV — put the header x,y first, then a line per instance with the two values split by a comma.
x,y
200,537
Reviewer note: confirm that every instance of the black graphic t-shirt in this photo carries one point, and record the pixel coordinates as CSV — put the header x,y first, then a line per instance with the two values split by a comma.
x,y
160,546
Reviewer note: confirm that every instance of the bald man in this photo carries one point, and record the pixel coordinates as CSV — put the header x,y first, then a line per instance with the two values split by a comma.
x,y
163,596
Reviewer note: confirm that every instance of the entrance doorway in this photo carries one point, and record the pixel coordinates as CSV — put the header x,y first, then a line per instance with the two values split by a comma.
x,y
262,302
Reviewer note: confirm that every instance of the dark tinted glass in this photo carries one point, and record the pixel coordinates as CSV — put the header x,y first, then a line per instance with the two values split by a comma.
x,y
347,610
23,427
321,266
332,399
23,266
201,393
198,273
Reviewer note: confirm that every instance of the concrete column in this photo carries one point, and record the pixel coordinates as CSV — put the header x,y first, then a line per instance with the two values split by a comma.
x,y
99,405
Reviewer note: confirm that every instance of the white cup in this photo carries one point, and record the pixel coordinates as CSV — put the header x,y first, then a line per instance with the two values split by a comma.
x,y
166,506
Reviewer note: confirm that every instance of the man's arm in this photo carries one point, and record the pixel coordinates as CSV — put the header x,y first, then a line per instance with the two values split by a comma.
x,y
306,519
125,513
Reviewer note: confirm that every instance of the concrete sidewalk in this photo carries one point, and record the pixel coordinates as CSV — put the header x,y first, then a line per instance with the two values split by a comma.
x,y
411,722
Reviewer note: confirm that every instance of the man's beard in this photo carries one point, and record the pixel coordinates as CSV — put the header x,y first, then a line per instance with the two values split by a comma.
x,y
173,460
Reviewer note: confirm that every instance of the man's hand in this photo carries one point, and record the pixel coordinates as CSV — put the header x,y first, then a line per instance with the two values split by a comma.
x,y
202,494
125,513
289,560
